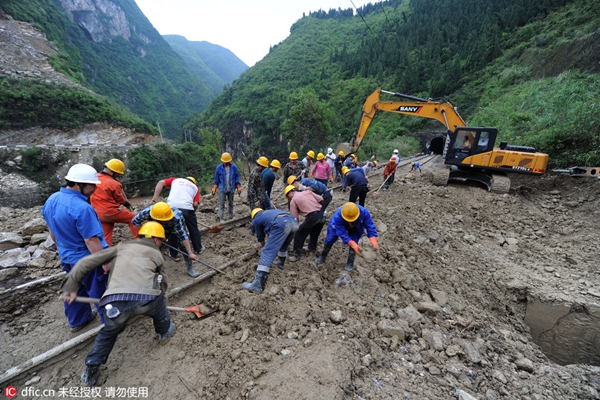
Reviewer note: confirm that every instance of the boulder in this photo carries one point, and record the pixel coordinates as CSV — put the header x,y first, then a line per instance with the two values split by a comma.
x,y
391,328
37,225
10,240
14,258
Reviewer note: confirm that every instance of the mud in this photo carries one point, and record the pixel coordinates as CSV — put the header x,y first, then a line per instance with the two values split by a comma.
x,y
439,313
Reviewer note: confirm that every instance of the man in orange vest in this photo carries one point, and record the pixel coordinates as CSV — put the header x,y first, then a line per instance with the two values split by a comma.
x,y
110,202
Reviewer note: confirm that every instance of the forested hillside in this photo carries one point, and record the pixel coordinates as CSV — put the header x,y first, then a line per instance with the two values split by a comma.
x,y
111,47
216,65
521,65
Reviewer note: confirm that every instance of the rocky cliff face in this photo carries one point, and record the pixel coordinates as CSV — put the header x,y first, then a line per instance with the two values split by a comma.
x,y
99,19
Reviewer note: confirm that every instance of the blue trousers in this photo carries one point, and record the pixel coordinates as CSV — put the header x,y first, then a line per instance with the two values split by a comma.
x,y
332,237
283,230
93,285
105,341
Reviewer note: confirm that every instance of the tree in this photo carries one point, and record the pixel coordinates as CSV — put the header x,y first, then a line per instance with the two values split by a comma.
x,y
309,122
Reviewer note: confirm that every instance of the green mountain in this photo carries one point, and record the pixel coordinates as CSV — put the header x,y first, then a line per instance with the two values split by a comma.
x,y
216,65
112,48
528,67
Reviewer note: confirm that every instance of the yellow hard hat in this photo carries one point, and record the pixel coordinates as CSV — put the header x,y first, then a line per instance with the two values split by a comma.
x,y
412,163
320,156
311,154
288,189
263,161
376,163
341,153
152,229
116,166
345,170
161,211
255,211
291,179
350,212
275,164
191,178
226,157
293,155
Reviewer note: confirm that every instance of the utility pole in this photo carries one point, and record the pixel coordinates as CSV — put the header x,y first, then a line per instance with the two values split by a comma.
x,y
159,131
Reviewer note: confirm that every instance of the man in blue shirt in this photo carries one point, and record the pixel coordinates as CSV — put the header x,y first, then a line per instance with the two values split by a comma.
x,y
414,165
75,228
275,230
227,179
268,176
314,185
349,223
358,184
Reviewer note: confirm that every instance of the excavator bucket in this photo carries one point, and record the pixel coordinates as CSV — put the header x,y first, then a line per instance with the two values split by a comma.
x,y
345,147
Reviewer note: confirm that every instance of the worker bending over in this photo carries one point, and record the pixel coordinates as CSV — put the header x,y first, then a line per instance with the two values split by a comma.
x,y
274,230
414,165
316,187
308,204
349,223
358,183
136,286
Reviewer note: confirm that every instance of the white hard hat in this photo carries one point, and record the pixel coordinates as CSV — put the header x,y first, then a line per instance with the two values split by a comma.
x,y
83,173
329,150
395,151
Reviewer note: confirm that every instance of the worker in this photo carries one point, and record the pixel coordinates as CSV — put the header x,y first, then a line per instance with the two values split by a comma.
x,y
268,176
226,180
414,165
314,185
349,223
467,143
294,167
184,196
136,286
322,171
75,228
307,163
256,187
395,156
110,202
389,173
369,166
330,158
339,163
174,223
275,230
308,204
348,163
358,183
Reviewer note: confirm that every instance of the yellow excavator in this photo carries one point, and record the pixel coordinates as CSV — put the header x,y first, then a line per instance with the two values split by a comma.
x,y
469,152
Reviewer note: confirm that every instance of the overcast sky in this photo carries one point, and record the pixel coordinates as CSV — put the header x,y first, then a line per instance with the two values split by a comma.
x,y
246,27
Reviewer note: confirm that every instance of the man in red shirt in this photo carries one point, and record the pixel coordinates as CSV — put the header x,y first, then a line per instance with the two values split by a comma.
x,y
110,202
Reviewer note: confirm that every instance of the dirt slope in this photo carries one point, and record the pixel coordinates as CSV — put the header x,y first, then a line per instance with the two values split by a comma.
x,y
439,314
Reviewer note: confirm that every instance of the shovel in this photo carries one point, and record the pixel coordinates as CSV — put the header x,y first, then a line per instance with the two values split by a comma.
x,y
212,229
386,179
193,310
185,254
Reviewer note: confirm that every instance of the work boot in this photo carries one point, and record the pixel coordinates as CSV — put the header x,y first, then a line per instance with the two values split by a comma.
x,y
190,269
295,257
350,262
323,256
279,262
90,375
164,338
258,283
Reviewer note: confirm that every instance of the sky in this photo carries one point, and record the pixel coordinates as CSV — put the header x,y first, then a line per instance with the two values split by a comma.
x,y
246,27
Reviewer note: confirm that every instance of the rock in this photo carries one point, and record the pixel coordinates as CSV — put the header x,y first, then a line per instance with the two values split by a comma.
x,y
336,316
33,380
37,263
245,335
7,273
453,350
381,227
409,314
499,376
292,335
285,352
512,242
428,307
38,238
391,328
37,225
10,240
434,339
525,364
14,258
49,244
366,360
473,351
491,394
386,313
462,395
439,297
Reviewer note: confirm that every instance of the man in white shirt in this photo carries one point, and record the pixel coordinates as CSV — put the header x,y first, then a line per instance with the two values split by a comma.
x,y
330,158
184,196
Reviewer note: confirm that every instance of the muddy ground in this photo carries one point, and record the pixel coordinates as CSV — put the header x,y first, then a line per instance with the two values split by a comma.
x,y
440,313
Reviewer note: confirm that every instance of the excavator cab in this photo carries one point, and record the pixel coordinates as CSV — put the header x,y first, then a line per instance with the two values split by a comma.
x,y
467,141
